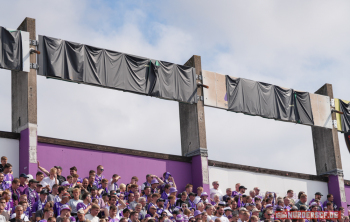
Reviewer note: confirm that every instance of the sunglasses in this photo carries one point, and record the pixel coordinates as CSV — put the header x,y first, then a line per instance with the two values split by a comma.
x,y
102,169
270,214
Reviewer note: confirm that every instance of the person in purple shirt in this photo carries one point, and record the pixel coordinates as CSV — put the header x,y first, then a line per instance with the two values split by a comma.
x,y
160,206
235,192
13,189
86,204
40,204
8,177
57,205
318,196
191,197
22,180
228,194
48,212
99,175
31,193
330,199
286,202
73,170
166,191
103,187
3,185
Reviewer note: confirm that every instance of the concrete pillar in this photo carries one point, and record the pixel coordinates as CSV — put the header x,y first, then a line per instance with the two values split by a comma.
x,y
193,133
24,107
327,155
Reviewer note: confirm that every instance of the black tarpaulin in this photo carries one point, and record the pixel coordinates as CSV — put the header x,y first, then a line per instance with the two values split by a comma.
x,y
345,117
269,101
303,108
10,49
82,63
174,82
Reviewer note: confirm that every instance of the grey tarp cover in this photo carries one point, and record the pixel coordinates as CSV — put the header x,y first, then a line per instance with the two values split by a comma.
x,y
168,75
269,101
345,118
10,49
82,63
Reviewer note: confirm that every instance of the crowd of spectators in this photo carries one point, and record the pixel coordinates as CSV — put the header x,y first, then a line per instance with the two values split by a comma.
x,y
51,197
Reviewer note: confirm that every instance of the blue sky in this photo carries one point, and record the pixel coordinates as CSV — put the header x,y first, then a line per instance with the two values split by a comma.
x,y
296,44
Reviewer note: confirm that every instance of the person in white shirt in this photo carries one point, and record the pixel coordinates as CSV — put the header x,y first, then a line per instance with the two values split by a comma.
x,y
220,215
50,180
74,202
198,197
215,190
113,183
92,216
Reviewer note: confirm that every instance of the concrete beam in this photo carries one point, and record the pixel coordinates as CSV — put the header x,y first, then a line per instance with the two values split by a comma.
x,y
193,133
327,154
24,105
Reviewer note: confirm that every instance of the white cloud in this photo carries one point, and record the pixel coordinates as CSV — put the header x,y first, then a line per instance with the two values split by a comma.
x,y
293,44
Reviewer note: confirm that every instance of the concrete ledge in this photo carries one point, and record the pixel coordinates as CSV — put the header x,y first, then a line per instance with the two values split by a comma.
x,y
267,171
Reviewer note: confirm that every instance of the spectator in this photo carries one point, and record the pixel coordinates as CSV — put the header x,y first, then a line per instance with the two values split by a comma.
x,y
48,212
302,201
3,163
290,195
58,205
215,190
72,203
99,175
22,183
330,199
74,170
199,193
236,191
220,215
31,193
39,176
114,182
2,209
95,209
60,178
8,177
18,214
51,179
3,184
40,203
86,204
40,213
228,194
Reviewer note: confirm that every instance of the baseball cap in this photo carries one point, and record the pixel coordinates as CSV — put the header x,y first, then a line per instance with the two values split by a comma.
x,y
204,194
81,211
23,175
228,208
64,207
279,208
240,187
318,193
65,183
44,192
268,205
66,195
160,200
222,203
29,176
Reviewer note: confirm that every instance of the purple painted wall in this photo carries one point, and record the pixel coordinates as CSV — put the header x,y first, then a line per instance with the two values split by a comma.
x,y
347,193
24,165
198,175
126,166
334,188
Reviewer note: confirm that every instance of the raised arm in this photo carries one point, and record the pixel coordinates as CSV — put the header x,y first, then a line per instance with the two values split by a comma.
x,y
43,169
